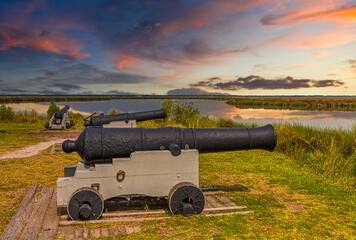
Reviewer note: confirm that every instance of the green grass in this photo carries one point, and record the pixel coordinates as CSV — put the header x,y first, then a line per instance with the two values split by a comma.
x,y
303,190
17,135
289,201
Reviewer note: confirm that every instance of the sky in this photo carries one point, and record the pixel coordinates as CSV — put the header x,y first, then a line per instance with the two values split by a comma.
x,y
178,47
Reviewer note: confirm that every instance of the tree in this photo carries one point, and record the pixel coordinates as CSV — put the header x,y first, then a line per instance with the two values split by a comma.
x,y
52,109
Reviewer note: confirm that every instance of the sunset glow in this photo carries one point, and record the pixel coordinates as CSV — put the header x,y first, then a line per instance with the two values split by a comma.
x,y
207,47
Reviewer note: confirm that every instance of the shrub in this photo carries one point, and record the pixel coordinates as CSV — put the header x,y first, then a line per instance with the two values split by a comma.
x,y
6,114
77,118
180,113
113,111
52,109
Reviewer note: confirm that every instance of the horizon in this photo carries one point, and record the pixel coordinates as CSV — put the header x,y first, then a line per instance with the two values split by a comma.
x,y
202,48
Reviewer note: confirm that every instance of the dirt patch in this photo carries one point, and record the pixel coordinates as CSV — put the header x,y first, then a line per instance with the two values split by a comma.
x,y
32,150
53,135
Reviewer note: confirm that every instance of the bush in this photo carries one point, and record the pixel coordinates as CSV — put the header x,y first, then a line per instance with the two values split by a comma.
x,y
52,109
113,111
77,118
6,114
180,113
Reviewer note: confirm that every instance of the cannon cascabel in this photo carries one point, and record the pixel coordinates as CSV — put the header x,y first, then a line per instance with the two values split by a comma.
x,y
100,145
138,116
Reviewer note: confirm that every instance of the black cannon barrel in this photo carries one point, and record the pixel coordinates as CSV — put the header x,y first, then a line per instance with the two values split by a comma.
x,y
100,145
138,116
60,113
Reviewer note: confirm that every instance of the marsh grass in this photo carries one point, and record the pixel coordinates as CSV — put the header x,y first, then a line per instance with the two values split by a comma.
x,y
296,103
328,151
331,152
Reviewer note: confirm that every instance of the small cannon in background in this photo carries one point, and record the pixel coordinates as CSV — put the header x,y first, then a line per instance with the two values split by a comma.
x,y
125,120
59,120
156,162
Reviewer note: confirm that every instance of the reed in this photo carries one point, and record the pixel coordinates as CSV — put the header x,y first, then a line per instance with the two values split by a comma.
x,y
341,104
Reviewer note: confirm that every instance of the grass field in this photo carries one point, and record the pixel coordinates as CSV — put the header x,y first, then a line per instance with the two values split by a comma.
x,y
17,135
289,201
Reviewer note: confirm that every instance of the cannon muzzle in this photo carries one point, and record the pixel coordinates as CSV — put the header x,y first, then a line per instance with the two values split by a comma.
x,y
138,116
60,113
101,145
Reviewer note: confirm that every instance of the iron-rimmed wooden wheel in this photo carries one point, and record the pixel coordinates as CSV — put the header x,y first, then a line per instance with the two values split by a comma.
x,y
85,204
187,199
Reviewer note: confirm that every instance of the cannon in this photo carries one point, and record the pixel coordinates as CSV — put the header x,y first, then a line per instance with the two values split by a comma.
x,y
125,120
156,162
59,120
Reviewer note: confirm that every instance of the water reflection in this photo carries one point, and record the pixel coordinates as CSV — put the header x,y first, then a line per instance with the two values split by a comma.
x,y
214,109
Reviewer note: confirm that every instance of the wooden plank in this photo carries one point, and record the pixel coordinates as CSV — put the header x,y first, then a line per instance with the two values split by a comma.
x,y
124,214
227,200
21,215
34,223
213,193
131,219
229,213
213,202
50,223
112,220
158,212
224,208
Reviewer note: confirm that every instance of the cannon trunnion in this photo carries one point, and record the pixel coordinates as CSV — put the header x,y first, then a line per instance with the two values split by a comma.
x,y
157,162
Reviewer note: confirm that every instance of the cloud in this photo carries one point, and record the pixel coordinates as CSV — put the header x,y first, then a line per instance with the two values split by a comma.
x,y
173,35
352,62
115,92
301,66
193,91
318,39
67,86
340,14
321,53
257,82
11,37
45,33
85,74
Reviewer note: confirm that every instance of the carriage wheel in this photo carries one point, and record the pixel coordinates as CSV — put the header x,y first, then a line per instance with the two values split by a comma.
x,y
85,204
186,198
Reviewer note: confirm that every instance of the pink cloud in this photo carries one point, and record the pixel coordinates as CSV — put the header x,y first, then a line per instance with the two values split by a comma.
x,y
301,66
340,14
207,13
321,53
327,39
55,43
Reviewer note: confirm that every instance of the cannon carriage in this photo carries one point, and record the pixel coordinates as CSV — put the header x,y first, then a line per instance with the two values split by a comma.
x,y
60,120
156,162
